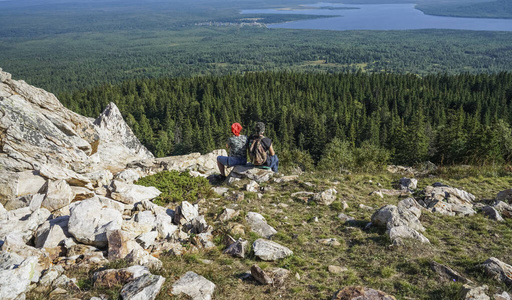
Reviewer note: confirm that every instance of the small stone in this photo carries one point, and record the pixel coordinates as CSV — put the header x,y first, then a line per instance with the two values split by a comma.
x,y
237,249
270,251
336,269
326,197
499,270
366,207
252,186
492,213
260,275
329,242
363,293
502,296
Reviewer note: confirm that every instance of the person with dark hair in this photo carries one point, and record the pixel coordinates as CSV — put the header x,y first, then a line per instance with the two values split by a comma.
x,y
237,147
261,150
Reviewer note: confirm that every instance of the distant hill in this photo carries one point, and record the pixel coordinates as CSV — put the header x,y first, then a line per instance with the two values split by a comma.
x,y
475,9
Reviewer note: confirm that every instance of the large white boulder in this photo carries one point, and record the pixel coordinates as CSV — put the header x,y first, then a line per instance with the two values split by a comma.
x,y
89,222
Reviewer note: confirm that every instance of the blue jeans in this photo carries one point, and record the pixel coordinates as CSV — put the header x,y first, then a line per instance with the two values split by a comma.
x,y
230,161
273,163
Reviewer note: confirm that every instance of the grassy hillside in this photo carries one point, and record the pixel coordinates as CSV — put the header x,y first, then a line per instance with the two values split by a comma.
x,y
461,243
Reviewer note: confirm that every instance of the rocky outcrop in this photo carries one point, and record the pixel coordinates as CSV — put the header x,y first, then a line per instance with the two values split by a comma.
x,y
41,139
447,200
401,222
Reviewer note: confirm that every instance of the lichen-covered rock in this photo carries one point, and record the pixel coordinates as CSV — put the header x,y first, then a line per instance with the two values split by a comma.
x,y
391,216
112,277
407,184
89,222
195,286
270,251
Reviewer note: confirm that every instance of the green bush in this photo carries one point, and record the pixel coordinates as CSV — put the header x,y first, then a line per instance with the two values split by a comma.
x,y
337,156
177,187
340,155
291,159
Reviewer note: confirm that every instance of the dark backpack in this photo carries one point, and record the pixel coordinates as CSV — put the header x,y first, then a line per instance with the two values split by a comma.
x,y
257,153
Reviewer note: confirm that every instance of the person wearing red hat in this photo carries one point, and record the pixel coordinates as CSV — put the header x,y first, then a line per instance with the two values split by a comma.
x,y
237,147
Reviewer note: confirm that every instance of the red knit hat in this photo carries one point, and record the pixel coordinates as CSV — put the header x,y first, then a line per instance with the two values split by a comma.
x,y
236,128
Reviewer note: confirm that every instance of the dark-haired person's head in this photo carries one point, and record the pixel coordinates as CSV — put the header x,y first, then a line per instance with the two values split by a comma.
x,y
259,128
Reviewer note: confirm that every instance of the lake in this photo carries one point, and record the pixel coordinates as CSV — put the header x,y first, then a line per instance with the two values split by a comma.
x,y
379,17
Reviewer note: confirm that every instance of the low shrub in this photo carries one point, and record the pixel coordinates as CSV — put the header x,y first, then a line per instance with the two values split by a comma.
x,y
177,186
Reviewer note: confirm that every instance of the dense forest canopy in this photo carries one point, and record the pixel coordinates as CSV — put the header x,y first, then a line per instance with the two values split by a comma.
x,y
443,118
64,45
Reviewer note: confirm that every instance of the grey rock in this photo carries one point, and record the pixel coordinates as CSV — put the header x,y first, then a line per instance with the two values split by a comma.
x,y
140,257
345,218
259,225
228,214
89,222
391,216
260,275
50,275
256,174
40,135
185,213
448,200
361,293
237,249
15,278
407,184
131,193
447,273
58,195
502,296
326,197
195,286
146,218
111,277
504,208
474,293
147,239
270,251
164,225
128,176
120,244
252,186
52,233
23,221
220,190
505,196
397,234
492,213
499,270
